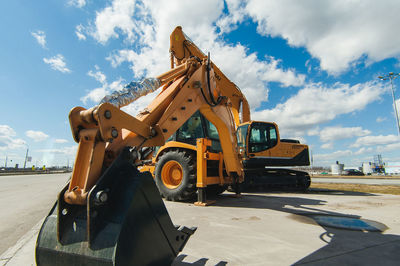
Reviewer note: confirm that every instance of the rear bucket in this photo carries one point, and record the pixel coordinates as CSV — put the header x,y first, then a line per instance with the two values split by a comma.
x,y
124,223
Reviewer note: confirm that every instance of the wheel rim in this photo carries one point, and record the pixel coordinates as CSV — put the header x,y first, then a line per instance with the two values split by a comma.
x,y
172,174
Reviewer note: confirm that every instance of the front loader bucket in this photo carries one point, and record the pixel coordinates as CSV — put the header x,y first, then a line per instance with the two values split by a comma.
x,y
125,222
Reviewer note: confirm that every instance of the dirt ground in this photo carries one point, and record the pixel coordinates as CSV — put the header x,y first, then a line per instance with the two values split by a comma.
x,y
394,190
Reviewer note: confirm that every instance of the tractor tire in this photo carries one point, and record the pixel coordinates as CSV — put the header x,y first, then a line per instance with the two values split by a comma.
x,y
175,175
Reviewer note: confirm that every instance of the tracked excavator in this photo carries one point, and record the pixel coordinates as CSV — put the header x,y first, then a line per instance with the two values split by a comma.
x,y
184,164
110,213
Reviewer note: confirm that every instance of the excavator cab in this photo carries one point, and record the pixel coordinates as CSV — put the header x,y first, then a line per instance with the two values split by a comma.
x,y
262,146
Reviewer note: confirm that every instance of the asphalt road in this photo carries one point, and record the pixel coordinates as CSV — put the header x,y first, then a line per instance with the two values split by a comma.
x,y
367,181
24,201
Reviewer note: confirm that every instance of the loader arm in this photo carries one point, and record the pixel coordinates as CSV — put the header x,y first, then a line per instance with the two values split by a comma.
x,y
182,48
110,213
103,131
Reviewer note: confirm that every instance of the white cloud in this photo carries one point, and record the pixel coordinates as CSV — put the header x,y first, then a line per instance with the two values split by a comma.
x,y
333,156
57,63
389,147
317,104
117,16
40,37
364,150
97,94
236,14
376,140
77,3
98,75
37,136
380,119
66,151
198,19
8,140
79,32
337,32
60,141
337,132
327,145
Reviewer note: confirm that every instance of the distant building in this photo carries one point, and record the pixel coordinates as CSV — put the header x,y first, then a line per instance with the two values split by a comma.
x,y
392,168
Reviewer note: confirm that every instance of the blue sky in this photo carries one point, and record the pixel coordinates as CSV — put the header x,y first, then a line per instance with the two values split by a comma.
x,y
311,66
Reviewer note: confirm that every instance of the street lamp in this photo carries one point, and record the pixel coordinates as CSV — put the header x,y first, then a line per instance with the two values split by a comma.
x,y
391,76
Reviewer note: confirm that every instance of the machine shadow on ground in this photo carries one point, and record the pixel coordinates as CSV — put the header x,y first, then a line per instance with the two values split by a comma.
x,y
200,262
343,246
308,191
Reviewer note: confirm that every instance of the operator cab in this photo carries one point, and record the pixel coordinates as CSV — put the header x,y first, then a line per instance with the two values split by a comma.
x,y
197,126
257,136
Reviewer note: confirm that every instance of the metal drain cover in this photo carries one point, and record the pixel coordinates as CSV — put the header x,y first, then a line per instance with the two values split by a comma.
x,y
349,223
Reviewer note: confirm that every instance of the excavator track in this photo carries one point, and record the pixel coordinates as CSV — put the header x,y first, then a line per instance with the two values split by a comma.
x,y
276,179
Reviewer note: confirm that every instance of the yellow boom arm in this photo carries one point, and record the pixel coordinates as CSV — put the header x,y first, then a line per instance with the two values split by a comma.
x,y
182,48
103,131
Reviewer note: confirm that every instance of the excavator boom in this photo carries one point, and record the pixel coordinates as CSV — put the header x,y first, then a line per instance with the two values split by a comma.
x,y
181,48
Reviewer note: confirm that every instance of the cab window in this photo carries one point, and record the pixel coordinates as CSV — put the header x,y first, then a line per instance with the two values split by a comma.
x,y
212,131
191,129
262,137
242,135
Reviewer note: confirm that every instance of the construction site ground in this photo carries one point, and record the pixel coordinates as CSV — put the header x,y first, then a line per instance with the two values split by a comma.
x,y
273,228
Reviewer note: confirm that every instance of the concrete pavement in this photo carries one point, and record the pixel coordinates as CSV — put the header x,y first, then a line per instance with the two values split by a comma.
x,y
276,229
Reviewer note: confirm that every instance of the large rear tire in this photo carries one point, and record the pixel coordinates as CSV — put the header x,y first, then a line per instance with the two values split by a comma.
x,y
175,175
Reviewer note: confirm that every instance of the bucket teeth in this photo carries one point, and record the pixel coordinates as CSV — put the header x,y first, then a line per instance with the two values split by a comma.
x,y
125,227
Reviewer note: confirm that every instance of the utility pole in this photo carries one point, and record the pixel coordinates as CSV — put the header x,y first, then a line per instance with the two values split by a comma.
x,y
391,76
26,157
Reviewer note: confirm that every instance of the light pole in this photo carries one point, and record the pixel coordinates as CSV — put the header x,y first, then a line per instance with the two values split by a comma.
x,y
391,76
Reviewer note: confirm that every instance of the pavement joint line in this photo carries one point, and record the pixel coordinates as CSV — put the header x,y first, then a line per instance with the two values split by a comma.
x,y
12,251
348,252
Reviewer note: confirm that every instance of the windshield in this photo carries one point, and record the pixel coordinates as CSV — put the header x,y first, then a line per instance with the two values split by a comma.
x,y
191,129
262,137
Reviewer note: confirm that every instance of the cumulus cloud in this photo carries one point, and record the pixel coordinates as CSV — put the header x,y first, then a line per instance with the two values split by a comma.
x,y
376,140
64,151
339,33
117,16
236,14
380,119
337,132
59,141
40,37
327,145
98,75
77,3
317,104
79,29
57,63
150,25
37,136
8,140
106,88
364,150
333,155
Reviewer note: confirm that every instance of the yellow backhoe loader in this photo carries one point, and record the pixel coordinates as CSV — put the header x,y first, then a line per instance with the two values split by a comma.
x,y
109,213
192,158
